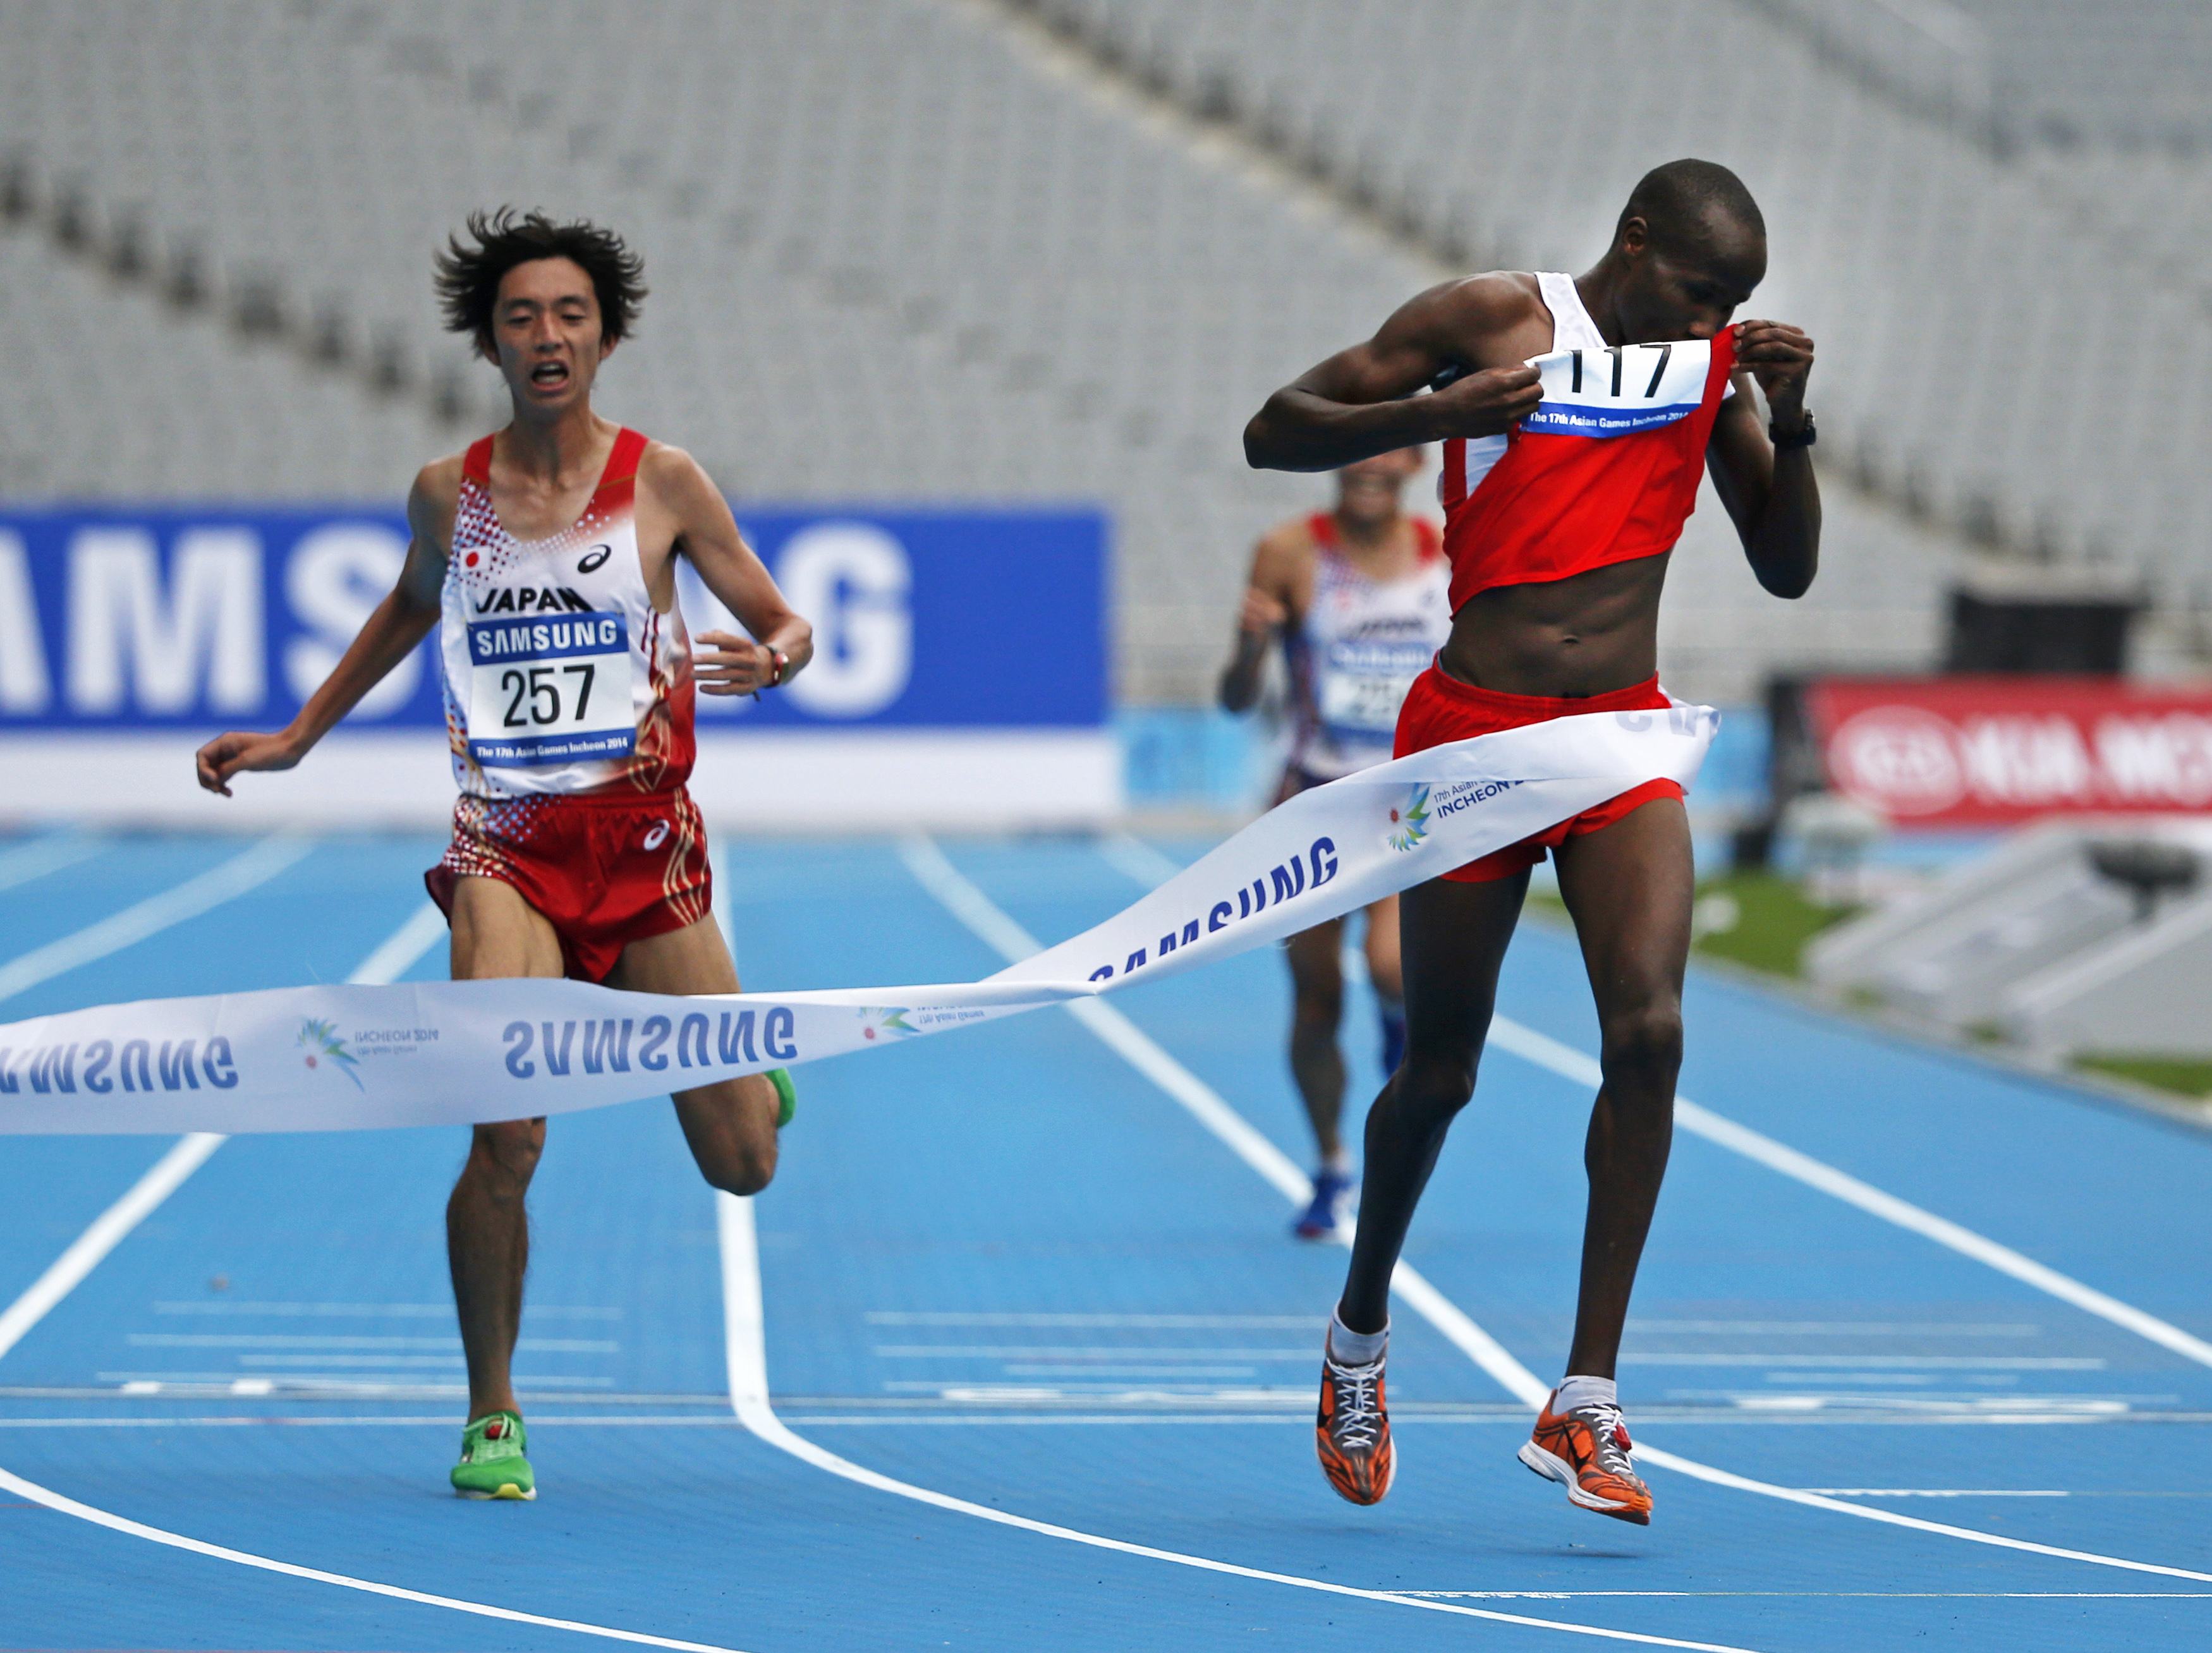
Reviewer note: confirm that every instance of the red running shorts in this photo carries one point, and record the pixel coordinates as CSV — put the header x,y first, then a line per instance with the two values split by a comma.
x,y
604,871
1440,708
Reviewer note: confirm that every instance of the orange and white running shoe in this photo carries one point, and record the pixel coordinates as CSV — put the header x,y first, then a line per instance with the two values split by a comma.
x,y
1586,1449
1352,1431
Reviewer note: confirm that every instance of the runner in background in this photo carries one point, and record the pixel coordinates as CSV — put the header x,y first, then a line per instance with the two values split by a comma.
x,y
1359,596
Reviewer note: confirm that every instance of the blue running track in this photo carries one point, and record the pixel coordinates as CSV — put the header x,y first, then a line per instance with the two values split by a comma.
x,y
1019,1354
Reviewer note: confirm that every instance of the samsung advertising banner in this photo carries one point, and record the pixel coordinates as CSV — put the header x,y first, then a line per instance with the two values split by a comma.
x,y
959,677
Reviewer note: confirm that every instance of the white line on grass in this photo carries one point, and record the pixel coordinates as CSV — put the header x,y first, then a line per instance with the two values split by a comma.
x,y
747,1353
975,909
210,888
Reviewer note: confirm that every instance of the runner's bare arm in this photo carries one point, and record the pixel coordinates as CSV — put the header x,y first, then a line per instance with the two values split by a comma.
x,y
390,634
1272,598
783,642
1361,401
1772,497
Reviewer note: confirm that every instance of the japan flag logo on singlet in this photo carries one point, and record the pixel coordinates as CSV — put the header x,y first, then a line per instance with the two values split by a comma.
x,y
1619,390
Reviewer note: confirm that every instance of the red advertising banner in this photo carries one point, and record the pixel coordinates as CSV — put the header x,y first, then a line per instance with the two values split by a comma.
x,y
1995,751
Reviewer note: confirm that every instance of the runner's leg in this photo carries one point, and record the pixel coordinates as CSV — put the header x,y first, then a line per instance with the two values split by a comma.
x,y
730,1125
1454,937
1629,887
1387,973
496,934
1316,1007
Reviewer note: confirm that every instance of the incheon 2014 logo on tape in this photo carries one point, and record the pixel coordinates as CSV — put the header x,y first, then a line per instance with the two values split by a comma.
x,y
325,1050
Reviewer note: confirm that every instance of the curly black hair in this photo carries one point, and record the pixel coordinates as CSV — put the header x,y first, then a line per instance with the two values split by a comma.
x,y
468,275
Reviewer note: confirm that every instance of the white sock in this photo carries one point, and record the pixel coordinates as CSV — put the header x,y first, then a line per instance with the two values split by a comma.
x,y
1339,1162
1350,1348
1585,1392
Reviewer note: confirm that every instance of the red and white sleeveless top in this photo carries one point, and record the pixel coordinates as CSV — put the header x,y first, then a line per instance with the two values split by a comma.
x,y
1357,650
1605,471
560,675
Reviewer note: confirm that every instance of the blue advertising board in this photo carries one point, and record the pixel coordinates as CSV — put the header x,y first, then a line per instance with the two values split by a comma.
x,y
132,620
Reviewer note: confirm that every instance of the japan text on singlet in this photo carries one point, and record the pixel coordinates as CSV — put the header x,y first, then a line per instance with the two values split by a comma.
x,y
560,675
1357,648
1605,471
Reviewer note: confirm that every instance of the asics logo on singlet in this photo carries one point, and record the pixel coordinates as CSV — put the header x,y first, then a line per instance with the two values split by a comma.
x,y
657,835
529,600
595,559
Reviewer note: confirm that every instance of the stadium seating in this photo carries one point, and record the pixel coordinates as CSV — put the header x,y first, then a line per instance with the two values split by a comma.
x,y
913,249
1963,314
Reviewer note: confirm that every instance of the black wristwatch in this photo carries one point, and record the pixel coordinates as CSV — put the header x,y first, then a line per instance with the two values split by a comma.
x,y
1804,436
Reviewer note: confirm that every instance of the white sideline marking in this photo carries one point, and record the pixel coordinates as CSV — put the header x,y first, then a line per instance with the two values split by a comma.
x,y
195,896
69,1506
44,855
973,907
1572,1064
746,1351
388,961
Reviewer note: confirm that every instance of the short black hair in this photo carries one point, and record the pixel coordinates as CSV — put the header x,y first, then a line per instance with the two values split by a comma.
x,y
469,274
1678,201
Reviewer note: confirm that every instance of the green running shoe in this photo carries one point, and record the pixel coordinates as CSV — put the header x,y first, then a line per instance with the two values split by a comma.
x,y
492,1465
787,1098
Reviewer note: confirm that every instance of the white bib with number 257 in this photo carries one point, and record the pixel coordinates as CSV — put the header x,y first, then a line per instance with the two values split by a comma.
x,y
550,688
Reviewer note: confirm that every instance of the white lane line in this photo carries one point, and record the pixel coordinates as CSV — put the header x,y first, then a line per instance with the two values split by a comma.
x,y
1930,1493
746,1351
975,909
102,1237
1077,1352
390,961
1138,860
149,917
1840,1327
397,953
370,1311
44,855
1572,1064
68,1506
303,1340
184,1157
1880,1362
1821,1594
923,1317
1568,1063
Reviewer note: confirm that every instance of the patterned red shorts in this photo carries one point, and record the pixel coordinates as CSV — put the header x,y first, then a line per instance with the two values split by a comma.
x,y
606,871
1440,708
